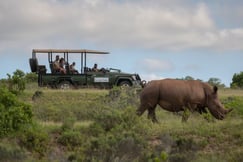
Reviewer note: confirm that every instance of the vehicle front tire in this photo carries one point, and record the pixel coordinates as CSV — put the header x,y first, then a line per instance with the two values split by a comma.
x,y
125,84
65,85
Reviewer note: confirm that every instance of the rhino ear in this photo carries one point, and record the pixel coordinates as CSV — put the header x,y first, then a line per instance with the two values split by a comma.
x,y
215,89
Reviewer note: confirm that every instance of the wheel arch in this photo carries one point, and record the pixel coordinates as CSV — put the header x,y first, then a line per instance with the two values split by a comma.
x,y
120,80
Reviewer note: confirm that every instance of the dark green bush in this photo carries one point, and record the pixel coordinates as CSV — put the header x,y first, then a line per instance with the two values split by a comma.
x,y
17,82
116,135
13,113
31,77
71,139
34,139
37,95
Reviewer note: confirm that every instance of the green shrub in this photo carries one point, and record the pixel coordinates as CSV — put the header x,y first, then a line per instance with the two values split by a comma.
x,y
17,82
68,123
34,139
11,153
31,77
236,103
115,135
13,113
71,139
37,95
122,98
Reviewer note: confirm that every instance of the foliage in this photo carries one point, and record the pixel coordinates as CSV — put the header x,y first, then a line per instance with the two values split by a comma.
x,y
116,136
71,139
101,125
236,103
237,80
31,77
13,113
17,82
216,82
189,78
37,95
34,139
11,152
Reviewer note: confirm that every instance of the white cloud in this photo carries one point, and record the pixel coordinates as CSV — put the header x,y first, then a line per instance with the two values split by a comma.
x,y
154,65
149,77
150,25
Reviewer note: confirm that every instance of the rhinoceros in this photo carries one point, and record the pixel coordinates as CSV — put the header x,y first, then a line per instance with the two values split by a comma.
x,y
178,95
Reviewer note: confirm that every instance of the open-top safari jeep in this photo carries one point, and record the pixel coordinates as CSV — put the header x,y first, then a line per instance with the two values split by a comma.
x,y
104,78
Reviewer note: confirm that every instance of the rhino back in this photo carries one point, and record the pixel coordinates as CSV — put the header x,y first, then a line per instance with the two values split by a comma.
x,y
181,92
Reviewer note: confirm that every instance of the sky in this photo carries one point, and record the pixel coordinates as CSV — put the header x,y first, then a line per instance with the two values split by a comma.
x,y
156,39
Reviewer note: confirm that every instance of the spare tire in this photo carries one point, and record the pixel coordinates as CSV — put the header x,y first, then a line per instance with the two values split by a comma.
x,y
33,64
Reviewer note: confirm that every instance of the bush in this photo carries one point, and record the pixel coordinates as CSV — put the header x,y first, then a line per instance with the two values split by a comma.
x,y
116,135
31,77
71,139
17,82
35,140
236,103
13,113
11,152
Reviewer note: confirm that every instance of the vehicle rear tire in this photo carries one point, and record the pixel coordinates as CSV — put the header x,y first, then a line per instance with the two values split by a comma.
x,y
125,84
33,64
65,85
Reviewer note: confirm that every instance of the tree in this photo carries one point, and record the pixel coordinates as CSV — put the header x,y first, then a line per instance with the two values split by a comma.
x,y
186,78
189,78
237,80
17,82
216,82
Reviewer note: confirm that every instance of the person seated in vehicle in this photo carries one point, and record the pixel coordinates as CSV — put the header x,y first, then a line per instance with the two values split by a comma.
x,y
56,65
62,66
95,68
72,68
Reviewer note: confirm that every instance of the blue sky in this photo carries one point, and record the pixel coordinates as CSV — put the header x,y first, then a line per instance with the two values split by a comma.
x,y
157,39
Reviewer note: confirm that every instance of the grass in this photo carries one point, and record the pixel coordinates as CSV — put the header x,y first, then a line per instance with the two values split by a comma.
x,y
106,127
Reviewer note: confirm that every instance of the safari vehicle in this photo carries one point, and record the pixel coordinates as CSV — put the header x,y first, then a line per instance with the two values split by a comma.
x,y
104,78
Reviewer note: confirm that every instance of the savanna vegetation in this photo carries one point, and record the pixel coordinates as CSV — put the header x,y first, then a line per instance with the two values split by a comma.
x,y
39,124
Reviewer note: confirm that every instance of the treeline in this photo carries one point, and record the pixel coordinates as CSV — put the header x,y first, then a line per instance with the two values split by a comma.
x,y
237,81
17,82
211,81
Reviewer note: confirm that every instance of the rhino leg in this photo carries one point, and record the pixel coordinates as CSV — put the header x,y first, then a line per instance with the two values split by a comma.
x,y
202,109
141,109
151,111
151,114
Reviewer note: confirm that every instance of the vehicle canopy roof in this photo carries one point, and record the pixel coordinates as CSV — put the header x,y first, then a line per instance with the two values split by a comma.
x,y
86,51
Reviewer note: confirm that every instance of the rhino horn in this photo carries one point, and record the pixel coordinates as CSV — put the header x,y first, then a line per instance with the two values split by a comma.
x,y
229,110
